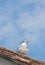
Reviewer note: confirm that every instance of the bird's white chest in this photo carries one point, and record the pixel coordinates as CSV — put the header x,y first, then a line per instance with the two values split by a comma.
x,y
23,45
23,48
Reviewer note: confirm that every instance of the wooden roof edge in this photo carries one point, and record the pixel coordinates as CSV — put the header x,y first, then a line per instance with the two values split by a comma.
x,y
18,58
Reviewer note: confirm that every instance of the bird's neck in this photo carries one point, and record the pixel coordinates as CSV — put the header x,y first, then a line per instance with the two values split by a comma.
x,y
24,44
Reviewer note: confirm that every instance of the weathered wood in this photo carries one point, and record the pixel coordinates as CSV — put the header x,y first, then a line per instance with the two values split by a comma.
x,y
18,58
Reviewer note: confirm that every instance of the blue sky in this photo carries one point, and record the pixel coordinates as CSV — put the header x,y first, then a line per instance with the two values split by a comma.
x,y
21,20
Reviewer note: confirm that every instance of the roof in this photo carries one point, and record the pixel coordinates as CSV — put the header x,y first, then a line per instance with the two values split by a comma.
x,y
18,58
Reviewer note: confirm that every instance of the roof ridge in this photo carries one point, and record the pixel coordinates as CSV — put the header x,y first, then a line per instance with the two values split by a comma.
x,y
18,58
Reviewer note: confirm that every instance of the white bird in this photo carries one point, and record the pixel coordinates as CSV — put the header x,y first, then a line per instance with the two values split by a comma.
x,y
23,48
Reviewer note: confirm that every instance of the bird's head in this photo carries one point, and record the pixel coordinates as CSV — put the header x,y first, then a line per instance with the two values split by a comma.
x,y
26,41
